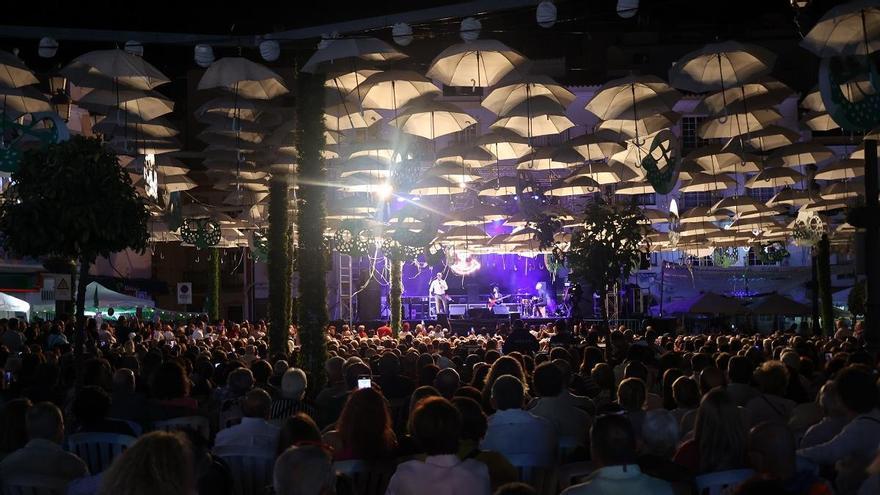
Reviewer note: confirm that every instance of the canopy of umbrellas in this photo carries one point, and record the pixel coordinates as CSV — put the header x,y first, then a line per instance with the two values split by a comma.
x,y
249,135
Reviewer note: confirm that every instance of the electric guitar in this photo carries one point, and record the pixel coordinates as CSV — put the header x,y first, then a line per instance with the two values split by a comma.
x,y
494,301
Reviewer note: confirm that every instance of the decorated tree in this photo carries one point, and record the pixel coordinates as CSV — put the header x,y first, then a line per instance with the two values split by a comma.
x,y
73,200
278,261
312,314
214,286
607,248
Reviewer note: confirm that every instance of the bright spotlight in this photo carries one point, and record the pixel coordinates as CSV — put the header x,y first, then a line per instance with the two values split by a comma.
x,y
385,190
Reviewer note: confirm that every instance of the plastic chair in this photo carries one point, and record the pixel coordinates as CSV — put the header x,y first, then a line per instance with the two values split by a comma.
x,y
98,449
367,478
573,473
28,484
535,472
195,423
716,483
135,426
251,469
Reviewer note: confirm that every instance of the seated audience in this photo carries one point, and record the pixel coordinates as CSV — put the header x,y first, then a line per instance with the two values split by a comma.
x,y
553,405
42,455
771,453
158,462
292,393
304,470
719,441
770,404
254,430
513,431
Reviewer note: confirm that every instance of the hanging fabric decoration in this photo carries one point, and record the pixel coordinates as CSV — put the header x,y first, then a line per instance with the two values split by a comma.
x,y
352,238
134,47
808,230
859,110
546,14
46,127
48,47
204,56
554,261
270,50
725,257
260,246
402,33
470,29
772,252
662,162
200,232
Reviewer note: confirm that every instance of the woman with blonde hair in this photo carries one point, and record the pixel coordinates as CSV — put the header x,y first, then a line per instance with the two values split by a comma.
x,y
158,462
720,435
505,365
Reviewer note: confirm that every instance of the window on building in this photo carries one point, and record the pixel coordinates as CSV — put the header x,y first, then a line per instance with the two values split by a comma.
x,y
692,199
462,91
690,140
466,136
762,194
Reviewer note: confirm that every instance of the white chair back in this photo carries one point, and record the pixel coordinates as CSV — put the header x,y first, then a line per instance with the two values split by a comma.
x,y
196,423
367,478
573,473
98,449
722,481
28,484
251,469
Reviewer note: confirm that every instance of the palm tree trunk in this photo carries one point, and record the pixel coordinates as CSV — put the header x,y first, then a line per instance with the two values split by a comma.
x,y
279,286
394,295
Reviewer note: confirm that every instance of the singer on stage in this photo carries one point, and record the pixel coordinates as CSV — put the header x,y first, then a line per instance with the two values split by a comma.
x,y
438,291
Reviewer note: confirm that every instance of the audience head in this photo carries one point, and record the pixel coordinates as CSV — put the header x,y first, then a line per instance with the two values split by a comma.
x,y
44,422
720,433
739,370
548,380
473,419
660,433
304,470
436,426
158,462
294,384
515,488
857,388
257,403
771,450
507,393
686,393
91,404
170,381
447,382
240,381
13,431
124,381
612,441
631,394
296,429
365,425
772,378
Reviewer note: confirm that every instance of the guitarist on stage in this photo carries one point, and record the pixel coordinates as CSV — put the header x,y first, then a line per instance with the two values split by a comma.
x,y
437,290
495,297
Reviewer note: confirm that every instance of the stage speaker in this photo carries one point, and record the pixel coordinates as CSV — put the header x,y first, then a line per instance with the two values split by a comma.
x,y
458,310
480,313
501,309
369,301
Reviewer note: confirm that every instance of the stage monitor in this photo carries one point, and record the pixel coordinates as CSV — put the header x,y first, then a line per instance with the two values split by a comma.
x,y
501,309
458,310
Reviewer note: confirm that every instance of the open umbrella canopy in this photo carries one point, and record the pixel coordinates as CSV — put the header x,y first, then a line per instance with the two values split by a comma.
x,y
702,182
772,137
629,128
504,144
775,177
842,169
390,90
244,78
754,224
700,214
476,215
146,105
107,68
633,97
843,190
497,187
516,88
175,183
549,158
431,119
165,165
223,110
737,124
13,71
718,157
793,197
375,148
17,101
456,172
604,173
346,116
798,154
134,126
538,116
706,303
718,101
465,233
737,205
819,121
596,146
578,186
635,188
374,166
717,66
479,63
347,81
852,28
344,52
436,186
777,304
466,154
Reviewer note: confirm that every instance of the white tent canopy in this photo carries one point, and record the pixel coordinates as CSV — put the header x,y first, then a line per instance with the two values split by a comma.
x,y
13,304
110,298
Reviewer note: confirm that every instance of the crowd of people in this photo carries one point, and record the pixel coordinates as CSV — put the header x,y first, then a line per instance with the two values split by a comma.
x,y
515,410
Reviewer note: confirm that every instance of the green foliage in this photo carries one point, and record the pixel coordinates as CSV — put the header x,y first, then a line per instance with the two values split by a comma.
x,y
311,223
605,250
72,200
394,296
278,263
857,298
214,286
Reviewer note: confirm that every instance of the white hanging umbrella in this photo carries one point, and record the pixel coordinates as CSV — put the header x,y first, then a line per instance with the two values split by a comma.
x,y
371,165
465,154
633,97
243,77
431,119
17,101
342,52
775,177
753,94
596,146
346,116
516,88
772,137
629,129
799,154
701,182
717,66
634,189
14,73
842,169
819,121
504,144
737,205
114,124
452,171
479,63
843,189
549,158
499,187
176,183
147,105
393,89
604,173
538,116
793,197
436,186
578,186
118,67
737,124
852,28
347,81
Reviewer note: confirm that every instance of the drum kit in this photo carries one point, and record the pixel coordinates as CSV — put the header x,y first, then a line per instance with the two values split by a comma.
x,y
530,305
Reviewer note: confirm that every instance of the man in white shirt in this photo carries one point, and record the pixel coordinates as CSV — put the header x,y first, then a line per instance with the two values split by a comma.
x,y
254,431
613,450
438,290
43,456
515,433
553,405
436,426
